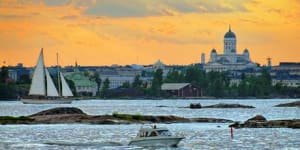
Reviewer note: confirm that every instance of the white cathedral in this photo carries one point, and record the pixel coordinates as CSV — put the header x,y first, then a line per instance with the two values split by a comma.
x,y
230,60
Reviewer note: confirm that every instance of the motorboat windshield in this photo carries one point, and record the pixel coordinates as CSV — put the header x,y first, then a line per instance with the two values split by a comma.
x,y
164,132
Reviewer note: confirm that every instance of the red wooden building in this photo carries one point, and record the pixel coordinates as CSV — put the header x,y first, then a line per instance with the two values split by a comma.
x,y
181,89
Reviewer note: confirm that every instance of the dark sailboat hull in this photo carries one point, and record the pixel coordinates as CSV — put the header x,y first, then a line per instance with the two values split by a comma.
x,y
46,101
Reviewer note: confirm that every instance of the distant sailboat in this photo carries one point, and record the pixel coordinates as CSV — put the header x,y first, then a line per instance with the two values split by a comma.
x,y
43,90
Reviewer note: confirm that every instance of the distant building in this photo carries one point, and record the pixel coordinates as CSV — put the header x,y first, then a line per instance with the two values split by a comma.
x,y
118,81
230,60
84,86
13,74
269,62
203,59
181,89
287,82
17,71
286,68
159,65
286,73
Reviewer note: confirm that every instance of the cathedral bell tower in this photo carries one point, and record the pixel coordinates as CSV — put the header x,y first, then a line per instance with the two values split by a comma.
x,y
229,42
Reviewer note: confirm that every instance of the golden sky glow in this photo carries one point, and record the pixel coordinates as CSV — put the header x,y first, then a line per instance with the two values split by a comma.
x,y
123,32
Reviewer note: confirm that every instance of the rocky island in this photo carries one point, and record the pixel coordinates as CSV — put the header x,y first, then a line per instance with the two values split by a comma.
x,y
75,115
220,105
260,121
291,104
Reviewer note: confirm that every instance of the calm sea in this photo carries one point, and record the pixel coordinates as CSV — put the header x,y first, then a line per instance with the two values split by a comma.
x,y
197,135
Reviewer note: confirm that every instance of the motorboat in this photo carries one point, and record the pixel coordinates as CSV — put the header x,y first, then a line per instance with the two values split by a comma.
x,y
154,136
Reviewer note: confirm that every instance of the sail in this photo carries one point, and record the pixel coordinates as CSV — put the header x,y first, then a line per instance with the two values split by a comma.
x,y
38,80
51,89
66,91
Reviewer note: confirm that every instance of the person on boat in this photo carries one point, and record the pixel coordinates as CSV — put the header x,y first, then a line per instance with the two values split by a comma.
x,y
154,126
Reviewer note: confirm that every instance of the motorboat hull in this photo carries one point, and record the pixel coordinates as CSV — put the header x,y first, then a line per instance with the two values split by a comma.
x,y
156,141
46,101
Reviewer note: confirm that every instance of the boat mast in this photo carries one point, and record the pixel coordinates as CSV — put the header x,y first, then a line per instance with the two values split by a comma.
x,y
44,73
58,78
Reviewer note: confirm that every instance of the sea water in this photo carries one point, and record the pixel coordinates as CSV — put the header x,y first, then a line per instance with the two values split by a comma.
x,y
197,135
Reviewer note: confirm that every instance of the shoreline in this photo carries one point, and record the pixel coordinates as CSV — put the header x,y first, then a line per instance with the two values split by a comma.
x,y
187,98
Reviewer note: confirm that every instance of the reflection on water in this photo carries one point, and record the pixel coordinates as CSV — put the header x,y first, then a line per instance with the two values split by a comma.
x,y
197,135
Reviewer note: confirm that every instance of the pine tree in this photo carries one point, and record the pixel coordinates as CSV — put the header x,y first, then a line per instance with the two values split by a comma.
x,y
105,88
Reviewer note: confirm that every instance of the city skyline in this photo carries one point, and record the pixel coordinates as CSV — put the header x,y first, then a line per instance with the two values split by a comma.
x,y
141,32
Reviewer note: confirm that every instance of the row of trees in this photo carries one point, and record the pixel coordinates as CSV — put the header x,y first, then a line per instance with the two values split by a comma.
x,y
12,90
218,84
215,84
211,84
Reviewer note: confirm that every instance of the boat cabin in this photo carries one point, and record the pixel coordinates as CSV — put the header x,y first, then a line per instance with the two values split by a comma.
x,y
151,132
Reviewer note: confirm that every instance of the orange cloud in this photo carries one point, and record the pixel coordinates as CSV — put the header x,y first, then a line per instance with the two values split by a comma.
x,y
176,32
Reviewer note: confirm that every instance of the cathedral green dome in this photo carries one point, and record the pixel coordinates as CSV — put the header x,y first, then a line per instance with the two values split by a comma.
x,y
229,34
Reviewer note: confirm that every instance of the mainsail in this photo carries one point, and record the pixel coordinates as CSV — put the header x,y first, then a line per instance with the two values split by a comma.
x,y
38,80
66,91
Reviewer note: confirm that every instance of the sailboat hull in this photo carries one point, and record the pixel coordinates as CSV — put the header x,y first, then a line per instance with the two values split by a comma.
x,y
46,101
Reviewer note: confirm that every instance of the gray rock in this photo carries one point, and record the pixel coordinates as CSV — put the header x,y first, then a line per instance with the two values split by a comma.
x,y
222,105
59,111
195,105
292,104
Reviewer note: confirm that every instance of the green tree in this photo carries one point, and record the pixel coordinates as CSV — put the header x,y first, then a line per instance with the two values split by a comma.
x,y
157,82
192,75
258,86
105,87
242,89
279,88
196,76
218,84
24,79
8,91
96,77
137,83
265,80
174,76
3,74
126,84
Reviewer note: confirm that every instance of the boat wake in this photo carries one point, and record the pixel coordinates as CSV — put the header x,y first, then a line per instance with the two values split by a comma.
x,y
105,145
97,144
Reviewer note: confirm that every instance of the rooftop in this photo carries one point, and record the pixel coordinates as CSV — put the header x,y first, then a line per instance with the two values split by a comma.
x,y
173,86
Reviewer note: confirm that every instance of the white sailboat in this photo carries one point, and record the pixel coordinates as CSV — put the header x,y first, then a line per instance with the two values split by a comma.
x,y
43,90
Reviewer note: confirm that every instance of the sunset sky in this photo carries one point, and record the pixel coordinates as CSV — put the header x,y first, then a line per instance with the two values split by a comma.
x,y
105,32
